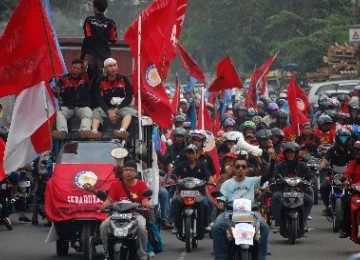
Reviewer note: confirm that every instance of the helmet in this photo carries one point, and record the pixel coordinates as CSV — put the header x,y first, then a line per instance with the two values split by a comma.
x,y
179,119
283,95
291,146
179,131
251,112
332,113
277,131
248,124
200,134
354,103
260,104
229,122
324,119
238,107
226,116
343,136
324,102
232,136
342,115
272,106
282,114
263,134
280,102
335,102
357,88
357,145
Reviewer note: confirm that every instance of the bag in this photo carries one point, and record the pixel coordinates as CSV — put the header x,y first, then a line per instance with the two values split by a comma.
x,y
155,243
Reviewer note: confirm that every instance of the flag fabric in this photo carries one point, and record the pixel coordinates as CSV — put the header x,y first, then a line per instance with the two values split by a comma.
x,y
264,87
203,118
251,95
297,116
226,76
2,151
264,69
30,128
157,23
190,65
28,50
66,199
176,98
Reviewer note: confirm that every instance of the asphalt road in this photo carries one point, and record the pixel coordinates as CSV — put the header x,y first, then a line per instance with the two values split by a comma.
x,y
27,242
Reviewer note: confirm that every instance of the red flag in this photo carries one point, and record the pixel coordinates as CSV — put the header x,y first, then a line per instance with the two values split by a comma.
x,y
264,69
203,116
176,98
251,99
157,22
226,76
2,150
297,116
28,50
190,65
264,87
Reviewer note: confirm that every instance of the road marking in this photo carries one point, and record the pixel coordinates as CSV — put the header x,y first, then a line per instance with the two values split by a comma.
x,y
182,255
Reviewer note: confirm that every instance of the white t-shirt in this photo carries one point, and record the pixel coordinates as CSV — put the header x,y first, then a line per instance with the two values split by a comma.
x,y
232,189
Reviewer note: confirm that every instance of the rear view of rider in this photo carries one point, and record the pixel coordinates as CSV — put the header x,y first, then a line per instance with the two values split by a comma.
x,y
291,167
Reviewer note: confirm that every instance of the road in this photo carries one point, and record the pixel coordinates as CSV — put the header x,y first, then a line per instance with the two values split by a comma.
x,y
26,242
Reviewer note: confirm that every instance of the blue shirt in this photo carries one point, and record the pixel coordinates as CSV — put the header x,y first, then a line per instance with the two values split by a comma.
x,y
232,189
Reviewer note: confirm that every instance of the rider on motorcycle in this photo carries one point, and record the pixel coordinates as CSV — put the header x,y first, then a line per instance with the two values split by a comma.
x,y
291,167
117,192
352,175
337,156
240,186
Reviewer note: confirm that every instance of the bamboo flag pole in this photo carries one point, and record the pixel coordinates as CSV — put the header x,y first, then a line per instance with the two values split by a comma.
x,y
139,93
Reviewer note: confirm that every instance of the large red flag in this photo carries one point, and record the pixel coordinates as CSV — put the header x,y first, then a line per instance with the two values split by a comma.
x,y
297,114
203,117
251,97
190,65
157,23
176,98
28,49
226,76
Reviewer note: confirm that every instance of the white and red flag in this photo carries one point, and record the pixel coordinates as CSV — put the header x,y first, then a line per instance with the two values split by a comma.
x,y
29,58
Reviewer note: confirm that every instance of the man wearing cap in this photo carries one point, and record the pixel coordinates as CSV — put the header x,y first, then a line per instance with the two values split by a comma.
x,y
98,32
113,95
117,192
74,90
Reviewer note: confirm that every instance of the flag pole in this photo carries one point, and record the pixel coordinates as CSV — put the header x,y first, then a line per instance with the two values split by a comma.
x,y
139,94
202,107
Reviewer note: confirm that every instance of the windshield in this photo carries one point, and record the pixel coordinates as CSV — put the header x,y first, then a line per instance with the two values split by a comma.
x,y
87,152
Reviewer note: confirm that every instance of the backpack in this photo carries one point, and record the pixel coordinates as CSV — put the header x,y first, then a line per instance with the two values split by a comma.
x,y
155,243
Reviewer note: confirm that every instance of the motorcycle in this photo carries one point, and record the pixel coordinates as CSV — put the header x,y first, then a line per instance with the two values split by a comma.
x,y
264,203
313,164
292,224
337,194
124,229
191,192
243,228
355,213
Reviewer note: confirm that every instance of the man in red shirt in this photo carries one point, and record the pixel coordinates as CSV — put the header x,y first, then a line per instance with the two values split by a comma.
x,y
117,193
325,131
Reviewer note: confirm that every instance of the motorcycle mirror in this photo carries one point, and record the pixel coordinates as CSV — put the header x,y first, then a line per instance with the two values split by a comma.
x,y
216,194
147,193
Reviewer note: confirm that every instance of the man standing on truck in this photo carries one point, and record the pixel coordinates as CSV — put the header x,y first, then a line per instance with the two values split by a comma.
x,y
98,31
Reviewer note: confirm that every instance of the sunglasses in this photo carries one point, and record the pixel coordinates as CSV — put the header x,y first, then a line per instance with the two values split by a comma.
x,y
242,166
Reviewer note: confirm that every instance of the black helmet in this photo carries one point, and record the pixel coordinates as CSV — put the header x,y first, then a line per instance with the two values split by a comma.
x,y
324,119
275,131
282,114
260,104
332,113
292,146
343,136
179,119
263,134
281,102
179,131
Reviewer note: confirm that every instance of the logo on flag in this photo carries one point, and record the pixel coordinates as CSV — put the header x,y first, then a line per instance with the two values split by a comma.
x,y
85,177
300,104
152,76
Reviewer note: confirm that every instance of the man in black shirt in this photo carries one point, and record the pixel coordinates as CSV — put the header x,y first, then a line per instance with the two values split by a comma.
x,y
113,95
74,90
98,31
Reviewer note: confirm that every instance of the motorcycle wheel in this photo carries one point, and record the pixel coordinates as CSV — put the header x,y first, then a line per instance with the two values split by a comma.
x,y
87,242
62,247
245,254
188,235
120,252
337,215
293,230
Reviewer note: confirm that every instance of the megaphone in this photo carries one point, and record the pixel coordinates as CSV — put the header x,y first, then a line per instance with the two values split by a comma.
x,y
119,154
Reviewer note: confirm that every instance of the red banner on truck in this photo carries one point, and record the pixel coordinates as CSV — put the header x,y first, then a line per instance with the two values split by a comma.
x,y
65,197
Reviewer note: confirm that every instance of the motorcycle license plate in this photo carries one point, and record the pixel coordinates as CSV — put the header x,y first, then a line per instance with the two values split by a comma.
x,y
291,194
121,216
242,218
24,184
189,193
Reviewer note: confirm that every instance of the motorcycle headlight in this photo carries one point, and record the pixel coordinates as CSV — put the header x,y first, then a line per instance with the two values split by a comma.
x,y
190,185
123,231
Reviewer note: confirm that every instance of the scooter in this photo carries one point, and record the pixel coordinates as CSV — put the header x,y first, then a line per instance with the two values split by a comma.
x,y
355,213
337,194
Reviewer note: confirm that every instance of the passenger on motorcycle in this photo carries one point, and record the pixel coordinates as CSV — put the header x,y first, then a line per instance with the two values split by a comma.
x,y
352,175
307,136
291,167
240,186
272,110
281,120
192,167
325,131
337,157
117,192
